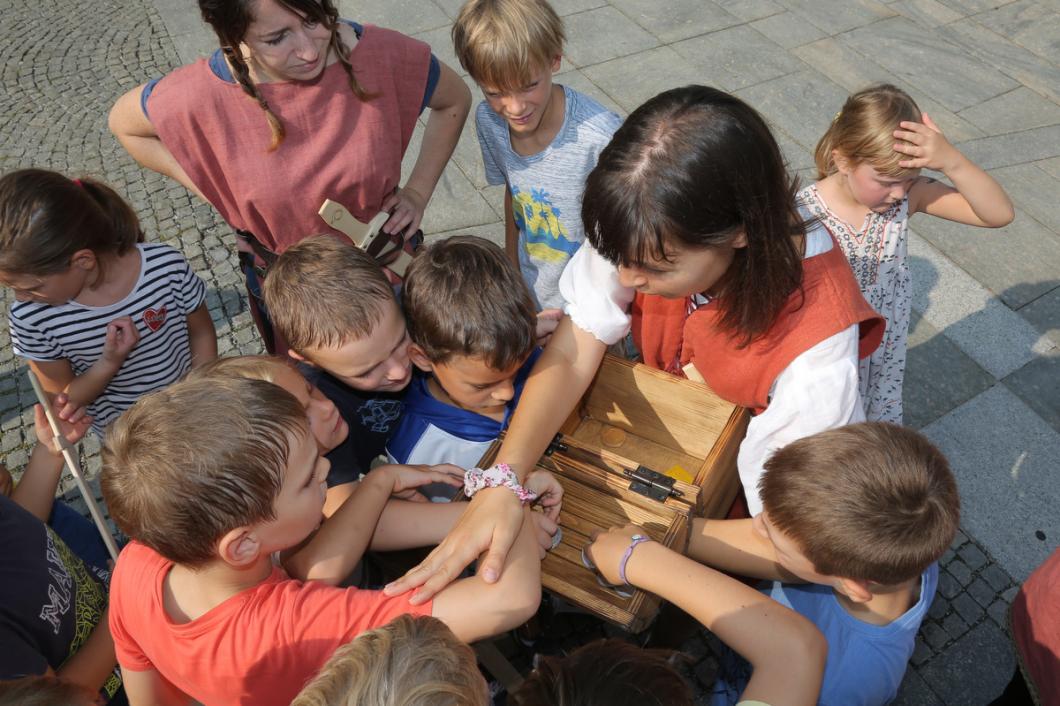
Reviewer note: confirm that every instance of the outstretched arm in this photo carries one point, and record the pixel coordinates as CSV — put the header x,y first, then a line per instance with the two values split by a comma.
x,y
449,106
786,651
975,197
36,491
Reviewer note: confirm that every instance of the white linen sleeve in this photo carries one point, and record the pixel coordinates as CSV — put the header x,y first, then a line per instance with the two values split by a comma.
x,y
817,391
595,301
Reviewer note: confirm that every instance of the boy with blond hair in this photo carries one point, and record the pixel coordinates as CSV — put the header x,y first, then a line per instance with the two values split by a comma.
x,y
854,521
471,324
538,138
213,477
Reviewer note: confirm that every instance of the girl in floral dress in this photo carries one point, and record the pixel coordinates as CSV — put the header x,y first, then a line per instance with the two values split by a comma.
x,y
868,165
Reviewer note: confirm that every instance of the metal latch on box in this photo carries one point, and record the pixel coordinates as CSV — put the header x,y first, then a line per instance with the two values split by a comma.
x,y
556,445
651,484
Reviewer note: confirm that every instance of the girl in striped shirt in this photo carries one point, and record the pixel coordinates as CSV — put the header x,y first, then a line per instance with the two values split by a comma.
x,y
99,314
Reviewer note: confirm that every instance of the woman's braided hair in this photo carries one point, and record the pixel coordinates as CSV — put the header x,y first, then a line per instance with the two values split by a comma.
x,y
231,19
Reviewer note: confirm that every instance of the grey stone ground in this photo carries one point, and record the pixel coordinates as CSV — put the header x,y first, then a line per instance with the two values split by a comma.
x,y
984,366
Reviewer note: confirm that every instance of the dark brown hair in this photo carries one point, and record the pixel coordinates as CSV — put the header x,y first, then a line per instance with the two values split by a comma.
x,y
231,19
694,167
322,292
462,296
44,691
871,501
605,673
189,463
45,218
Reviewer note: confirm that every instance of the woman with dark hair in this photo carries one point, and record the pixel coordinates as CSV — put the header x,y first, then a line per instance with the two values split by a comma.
x,y
694,241
297,106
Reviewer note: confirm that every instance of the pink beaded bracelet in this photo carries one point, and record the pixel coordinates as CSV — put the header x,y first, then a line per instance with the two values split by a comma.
x,y
501,475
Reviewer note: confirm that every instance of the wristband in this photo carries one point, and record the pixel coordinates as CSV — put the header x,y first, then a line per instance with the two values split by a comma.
x,y
634,541
500,475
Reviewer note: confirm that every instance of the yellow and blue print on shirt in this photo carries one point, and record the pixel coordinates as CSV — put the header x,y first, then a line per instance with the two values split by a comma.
x,y
545,236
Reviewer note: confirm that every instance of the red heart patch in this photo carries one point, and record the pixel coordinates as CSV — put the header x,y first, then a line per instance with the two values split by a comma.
x,y
154,318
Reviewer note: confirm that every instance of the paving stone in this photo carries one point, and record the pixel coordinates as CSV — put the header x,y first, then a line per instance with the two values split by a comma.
x,y
981,591
921,653
914,691
1038,385
1015,148
960,571
737,57
972,556
998,612
677,19
949,585
631,80
407,16
800,104
1020,109
927,395
598,35
939,608
967,608
835,16
1028,24
1050,166
902,47
996,577
935,636
975,670
788,29
955,625
1033,191
1044,314
926,13
749,10
1004,457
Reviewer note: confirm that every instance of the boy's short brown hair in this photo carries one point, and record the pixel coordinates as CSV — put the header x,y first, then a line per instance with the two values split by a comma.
x,y
502,43
606,673
322,292
462,296
187,464
411,660
871,502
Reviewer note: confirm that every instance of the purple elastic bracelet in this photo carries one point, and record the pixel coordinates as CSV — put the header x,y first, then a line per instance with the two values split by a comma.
x,y
634,541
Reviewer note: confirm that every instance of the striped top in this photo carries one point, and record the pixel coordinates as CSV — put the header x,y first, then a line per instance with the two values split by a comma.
x,y
165,293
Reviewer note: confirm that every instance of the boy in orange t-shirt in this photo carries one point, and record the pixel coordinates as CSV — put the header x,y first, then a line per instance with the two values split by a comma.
x,y
211,479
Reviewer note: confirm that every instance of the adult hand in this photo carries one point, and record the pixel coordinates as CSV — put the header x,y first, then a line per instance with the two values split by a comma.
x,y
73,426
608,547
547,321
926,144
490,524
406,211
122,336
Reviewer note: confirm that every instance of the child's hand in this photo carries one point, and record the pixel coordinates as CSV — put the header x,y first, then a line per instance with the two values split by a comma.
x,y
608,547
927,145
549,492
122,337
406,208
408,478
545,531
73,426
547,321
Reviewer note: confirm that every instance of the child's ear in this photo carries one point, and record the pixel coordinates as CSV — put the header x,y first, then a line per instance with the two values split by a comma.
x,y
557,61
239,547
842,164
739,240
83,259
295,355
419,358
855,589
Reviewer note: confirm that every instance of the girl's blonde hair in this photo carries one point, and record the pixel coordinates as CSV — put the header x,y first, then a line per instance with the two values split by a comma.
x,y
863,131
251,367
45,218
412,661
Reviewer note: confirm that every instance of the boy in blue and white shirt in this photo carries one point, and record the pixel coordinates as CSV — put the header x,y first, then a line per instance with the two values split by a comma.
x,y
472,328
538,138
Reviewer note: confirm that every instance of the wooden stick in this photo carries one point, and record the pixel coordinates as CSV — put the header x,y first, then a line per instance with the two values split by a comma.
x,y
75,467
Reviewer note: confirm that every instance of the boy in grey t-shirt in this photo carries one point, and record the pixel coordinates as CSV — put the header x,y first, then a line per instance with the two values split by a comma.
x,y
538,138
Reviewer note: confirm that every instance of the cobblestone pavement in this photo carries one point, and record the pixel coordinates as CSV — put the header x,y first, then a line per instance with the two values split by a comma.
x,y
983,366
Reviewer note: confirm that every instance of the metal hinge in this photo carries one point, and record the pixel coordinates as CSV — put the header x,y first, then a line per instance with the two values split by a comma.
x,y
556,445
651,484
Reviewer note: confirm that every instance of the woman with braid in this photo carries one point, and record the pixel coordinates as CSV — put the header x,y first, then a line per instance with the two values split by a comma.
x,y
297,106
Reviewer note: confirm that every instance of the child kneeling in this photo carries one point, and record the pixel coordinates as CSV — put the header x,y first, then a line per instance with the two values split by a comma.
x,y
210,479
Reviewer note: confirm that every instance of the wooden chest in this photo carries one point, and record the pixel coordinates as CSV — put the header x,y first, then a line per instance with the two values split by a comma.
x,y
646,447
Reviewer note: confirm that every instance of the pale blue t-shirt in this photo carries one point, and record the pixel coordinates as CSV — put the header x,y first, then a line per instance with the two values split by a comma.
x,y
547,187
866,662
